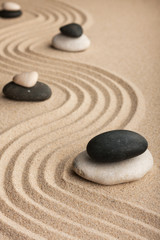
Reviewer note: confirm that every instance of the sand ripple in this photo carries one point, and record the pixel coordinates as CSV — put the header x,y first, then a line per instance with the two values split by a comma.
x,y
40,197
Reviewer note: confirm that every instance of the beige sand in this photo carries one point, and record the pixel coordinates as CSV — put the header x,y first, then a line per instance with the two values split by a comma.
x,y
114,84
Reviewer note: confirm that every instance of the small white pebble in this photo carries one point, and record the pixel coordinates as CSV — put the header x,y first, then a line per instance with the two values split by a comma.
x,y
70,44
11,6
26,79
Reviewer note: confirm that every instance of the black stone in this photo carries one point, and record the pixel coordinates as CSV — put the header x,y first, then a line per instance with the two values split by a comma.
x,y
72,30
39,92
117,145
10,14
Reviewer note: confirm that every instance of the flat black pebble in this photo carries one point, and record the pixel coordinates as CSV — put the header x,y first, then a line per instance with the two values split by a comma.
x,y
116,145
72,30
10,14
39,92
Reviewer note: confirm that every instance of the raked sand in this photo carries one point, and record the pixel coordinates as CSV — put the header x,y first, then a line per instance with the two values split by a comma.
x,y
115,84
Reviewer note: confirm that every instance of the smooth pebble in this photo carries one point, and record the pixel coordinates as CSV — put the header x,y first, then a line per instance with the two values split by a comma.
x,y
26,79
116,145
70,44
10,14
11,6
113,173
39,92
73,30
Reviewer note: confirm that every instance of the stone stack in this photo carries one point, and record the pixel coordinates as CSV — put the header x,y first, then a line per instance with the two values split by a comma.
x,y
25,87
71,38
10,10
114,157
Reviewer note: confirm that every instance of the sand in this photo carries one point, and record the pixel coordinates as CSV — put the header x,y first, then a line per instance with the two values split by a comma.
x,y
112,85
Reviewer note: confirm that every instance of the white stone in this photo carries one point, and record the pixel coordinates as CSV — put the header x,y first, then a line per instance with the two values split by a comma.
x,y
11,6
113,173
70,44
26,79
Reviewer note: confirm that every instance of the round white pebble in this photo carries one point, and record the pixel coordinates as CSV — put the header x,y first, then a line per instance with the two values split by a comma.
x,y
113,173
26,79
11,6
70,44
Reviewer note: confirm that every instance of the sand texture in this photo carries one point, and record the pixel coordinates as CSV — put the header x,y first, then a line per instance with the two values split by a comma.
x,y
113,84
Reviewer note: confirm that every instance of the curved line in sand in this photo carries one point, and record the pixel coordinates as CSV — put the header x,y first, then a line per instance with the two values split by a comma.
x,y
113,90
40,197
34,130
60,212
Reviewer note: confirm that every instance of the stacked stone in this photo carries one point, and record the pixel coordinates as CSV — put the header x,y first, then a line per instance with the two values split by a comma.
x,y
71,38
25,87
10,10
114,157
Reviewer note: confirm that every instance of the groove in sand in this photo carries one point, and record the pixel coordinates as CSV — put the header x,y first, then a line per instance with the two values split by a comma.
x,y
45,200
